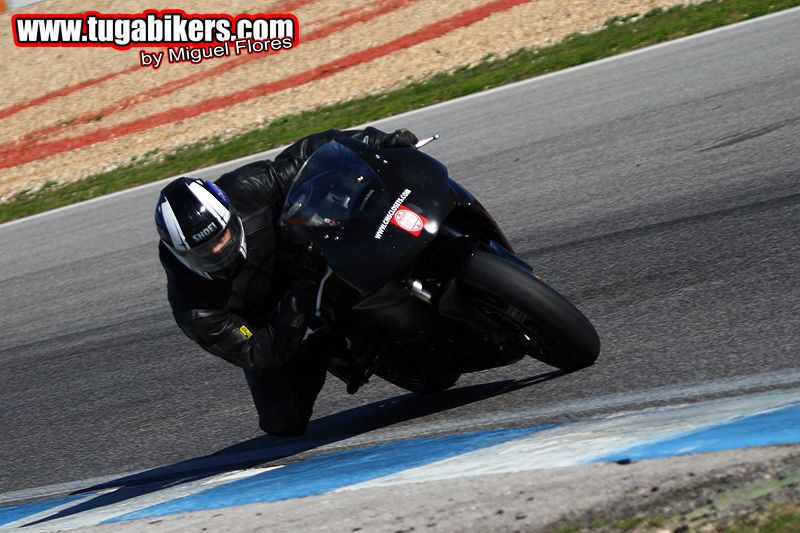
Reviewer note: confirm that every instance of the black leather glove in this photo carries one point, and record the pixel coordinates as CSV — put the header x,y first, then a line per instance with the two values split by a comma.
x,y
299,302
401,138
288,323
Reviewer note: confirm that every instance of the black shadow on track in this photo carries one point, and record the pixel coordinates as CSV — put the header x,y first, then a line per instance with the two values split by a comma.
x,y
322,431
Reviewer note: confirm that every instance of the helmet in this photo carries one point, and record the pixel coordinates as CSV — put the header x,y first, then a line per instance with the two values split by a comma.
x,y
199,225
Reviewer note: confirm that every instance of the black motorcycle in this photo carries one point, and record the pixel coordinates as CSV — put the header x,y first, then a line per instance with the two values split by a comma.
x,y
419,276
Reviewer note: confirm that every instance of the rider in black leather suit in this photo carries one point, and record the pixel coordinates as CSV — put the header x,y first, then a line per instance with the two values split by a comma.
x,y
255,311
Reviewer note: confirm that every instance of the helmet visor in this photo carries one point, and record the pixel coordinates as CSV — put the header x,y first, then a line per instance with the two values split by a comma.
x,y
219,253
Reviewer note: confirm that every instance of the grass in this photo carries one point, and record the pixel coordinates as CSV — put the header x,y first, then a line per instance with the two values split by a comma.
x,y
619,34
628,523
782,519
784,522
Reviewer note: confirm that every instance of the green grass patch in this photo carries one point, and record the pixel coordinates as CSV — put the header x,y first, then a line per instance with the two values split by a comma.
x,y
787,521
628,523
620,34
784,519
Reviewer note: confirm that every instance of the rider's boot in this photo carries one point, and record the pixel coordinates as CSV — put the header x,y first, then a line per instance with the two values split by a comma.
x,y
348,366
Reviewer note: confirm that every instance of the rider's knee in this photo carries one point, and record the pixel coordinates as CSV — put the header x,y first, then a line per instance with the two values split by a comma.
x,y
283,426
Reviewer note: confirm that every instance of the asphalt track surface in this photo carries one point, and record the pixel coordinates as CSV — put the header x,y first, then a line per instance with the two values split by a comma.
x,y
660,191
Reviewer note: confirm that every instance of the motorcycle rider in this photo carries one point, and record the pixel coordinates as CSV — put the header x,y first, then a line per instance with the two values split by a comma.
x,y
242,293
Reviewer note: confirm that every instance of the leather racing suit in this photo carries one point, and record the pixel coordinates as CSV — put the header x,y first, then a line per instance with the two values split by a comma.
x,y
248,320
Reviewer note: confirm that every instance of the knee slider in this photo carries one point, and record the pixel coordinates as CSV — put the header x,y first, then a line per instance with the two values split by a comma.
x,y
282,427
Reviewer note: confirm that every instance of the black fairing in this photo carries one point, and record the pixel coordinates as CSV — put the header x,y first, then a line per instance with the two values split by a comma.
x,y
342,201
468,216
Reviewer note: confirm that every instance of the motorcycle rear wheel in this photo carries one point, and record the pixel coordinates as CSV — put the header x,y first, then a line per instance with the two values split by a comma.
x,y
531,316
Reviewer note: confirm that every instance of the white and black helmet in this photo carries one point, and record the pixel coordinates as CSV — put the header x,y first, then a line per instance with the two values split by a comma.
x,y
199,225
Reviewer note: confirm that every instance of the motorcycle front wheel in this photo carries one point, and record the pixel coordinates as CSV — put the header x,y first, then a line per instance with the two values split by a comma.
x,y
531,317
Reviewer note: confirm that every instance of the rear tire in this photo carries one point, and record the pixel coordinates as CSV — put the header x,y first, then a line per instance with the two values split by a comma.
x,y
532,317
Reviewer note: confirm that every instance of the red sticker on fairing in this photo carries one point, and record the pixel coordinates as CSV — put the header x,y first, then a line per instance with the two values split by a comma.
x,y
409,221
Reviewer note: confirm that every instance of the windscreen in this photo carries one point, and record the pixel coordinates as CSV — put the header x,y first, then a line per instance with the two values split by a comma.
x,y
369,211
334,188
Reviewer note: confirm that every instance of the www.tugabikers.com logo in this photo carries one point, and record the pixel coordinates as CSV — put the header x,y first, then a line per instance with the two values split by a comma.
x,y
190,37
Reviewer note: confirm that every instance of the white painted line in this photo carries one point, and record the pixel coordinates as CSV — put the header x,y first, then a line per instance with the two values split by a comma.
x,y
240,474
488,92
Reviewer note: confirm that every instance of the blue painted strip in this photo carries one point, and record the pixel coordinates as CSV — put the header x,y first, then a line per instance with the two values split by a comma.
x,y
325,473
17,512
776,427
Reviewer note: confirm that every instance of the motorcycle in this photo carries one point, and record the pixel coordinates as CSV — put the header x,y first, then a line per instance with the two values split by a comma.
x,y
419,276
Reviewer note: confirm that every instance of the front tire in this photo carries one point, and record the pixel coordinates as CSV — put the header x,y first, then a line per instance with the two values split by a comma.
x,y
531,316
